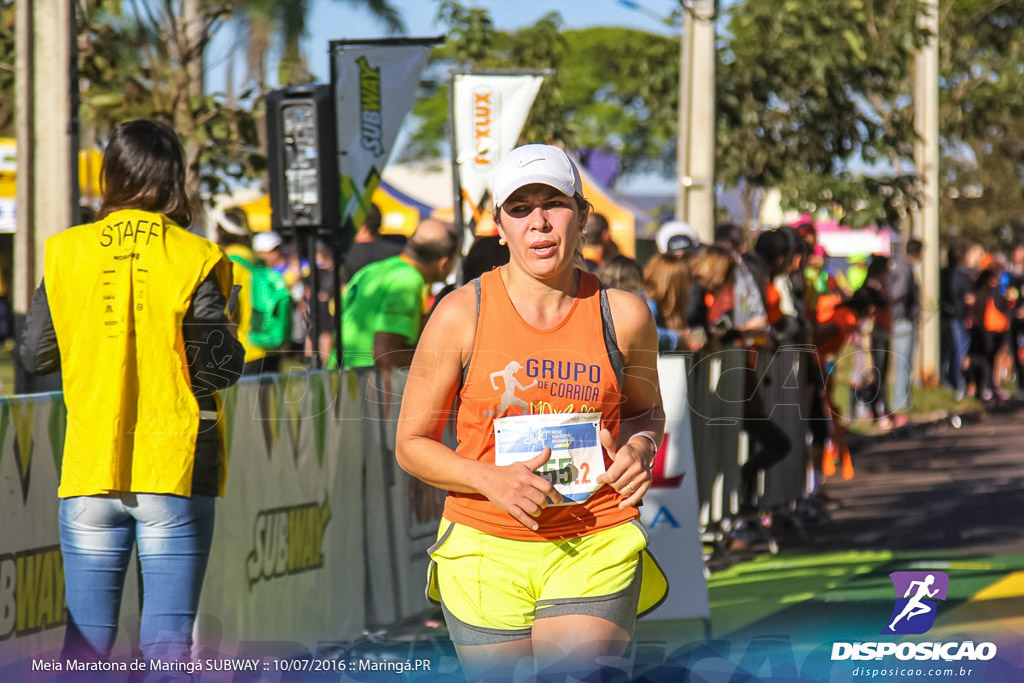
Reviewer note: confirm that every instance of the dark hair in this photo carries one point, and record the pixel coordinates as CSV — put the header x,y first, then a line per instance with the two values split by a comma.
x,y
864,299
955,253
432,248
597,225
806,229
731,234
798,245
914,247
877,266
773,246
624,273
373,220
486,254
144,168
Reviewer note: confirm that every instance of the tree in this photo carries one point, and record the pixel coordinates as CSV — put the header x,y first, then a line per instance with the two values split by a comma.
x,y
612,87
474,44
261,21
621,89
982,119
146,60
7,59
808,89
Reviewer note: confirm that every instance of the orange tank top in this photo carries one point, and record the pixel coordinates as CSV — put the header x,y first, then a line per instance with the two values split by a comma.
x,y
773,303
995,320
517,369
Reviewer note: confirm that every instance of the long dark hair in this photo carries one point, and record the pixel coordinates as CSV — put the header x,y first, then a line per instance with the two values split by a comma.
x,y
144,168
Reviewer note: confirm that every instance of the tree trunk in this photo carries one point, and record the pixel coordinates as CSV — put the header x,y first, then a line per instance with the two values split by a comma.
x,y
191,39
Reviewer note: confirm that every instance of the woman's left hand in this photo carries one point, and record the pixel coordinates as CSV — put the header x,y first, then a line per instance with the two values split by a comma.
x,y
630,472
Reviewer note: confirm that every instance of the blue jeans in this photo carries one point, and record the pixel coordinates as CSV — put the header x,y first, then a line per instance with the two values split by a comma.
x,y
904,340
97,534
961,339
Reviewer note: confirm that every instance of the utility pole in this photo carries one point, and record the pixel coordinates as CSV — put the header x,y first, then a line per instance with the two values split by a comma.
x,y
46,118
926,218
695,191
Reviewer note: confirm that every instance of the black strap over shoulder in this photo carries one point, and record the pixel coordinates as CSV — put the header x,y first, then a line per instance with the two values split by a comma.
x,y
478,290
611,344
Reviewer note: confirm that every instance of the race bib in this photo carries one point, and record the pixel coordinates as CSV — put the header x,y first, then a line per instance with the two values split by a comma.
x,y
577,458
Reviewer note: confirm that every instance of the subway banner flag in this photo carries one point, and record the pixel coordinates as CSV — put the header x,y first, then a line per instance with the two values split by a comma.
x,y
374,84
490,110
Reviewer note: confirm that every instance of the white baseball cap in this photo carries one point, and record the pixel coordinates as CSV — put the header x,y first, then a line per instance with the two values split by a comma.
x,y
529,164
266,241
676,236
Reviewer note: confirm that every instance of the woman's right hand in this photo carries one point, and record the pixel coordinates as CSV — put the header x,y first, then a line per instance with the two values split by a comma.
x,y
520,492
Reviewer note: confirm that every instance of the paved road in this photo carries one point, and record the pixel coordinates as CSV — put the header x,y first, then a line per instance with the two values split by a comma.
x,y
939,489
933,497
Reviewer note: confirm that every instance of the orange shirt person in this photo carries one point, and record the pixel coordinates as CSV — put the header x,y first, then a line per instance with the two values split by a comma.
x,y
518,574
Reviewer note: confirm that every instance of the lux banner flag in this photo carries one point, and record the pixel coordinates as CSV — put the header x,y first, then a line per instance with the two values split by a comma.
x,y
489,111
374,84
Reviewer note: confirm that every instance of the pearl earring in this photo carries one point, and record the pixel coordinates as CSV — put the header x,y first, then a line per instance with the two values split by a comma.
x,y
501,241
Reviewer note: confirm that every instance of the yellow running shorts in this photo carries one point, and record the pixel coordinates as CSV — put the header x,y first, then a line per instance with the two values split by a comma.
x,y
492,589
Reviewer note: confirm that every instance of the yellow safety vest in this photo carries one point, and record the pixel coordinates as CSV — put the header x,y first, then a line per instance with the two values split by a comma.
x,y
118,290
243,314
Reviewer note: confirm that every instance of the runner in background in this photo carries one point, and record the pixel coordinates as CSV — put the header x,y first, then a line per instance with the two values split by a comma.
x,y
518,574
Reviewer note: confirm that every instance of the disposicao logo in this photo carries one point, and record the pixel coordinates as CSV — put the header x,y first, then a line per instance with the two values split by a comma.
x,y
917,596
916,593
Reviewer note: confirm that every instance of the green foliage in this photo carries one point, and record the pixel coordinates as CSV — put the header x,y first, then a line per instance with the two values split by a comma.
x,y
622,91
7,58
134,61
542,46
982,118
857,201
473,43
611,87
261,21
471,33
138,60
806,88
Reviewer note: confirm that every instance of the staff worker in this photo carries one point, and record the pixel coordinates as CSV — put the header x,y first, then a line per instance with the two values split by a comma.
x,y
132,311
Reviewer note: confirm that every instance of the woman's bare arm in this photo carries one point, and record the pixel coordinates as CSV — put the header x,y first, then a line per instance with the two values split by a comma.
x,y
443,350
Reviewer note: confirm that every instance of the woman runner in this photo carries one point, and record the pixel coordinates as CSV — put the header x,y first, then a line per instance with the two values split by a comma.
x,y
518,573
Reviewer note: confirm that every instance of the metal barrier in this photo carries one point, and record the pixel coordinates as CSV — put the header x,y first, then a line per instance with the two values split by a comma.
x,y
317,507
716,388
787,403
749,405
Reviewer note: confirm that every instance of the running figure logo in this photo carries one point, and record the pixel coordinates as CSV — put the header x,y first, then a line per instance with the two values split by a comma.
x,y
914,612
508,397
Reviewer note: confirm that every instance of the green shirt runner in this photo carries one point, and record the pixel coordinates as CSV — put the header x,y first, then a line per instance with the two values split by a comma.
x,y
386,296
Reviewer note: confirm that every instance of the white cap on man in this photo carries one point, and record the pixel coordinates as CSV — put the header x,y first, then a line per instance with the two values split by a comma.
x,y
676,236
266,241
529,164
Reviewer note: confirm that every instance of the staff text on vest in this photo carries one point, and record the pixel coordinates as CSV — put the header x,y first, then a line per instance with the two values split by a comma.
x,y
123,231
